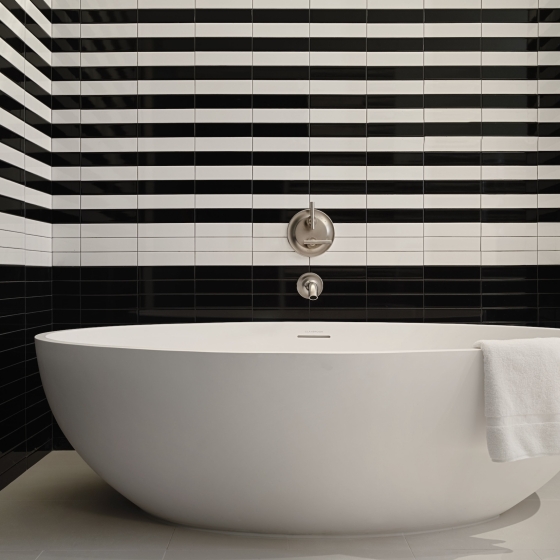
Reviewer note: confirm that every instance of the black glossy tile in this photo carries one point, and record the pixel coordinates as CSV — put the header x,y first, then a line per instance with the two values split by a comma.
x,y
451,44
511,16
395,315
445,315
349,315
272,15
395,16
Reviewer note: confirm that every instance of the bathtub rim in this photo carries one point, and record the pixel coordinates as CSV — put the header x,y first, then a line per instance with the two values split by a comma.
x,y
44,338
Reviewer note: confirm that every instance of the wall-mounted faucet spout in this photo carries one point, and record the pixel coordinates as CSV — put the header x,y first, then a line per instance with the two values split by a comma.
x,y
313,289
310,286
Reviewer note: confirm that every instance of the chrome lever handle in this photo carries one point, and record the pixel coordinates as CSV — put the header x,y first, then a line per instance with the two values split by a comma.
x,y
312,215
317,242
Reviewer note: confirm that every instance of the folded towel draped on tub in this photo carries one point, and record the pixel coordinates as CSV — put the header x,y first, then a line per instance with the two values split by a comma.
x,y
522,397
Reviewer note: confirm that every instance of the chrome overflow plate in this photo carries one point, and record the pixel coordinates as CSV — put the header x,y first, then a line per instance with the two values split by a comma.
x,y
311,232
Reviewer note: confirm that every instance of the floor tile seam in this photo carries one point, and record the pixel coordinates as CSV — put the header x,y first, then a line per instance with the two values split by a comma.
x,y
170,540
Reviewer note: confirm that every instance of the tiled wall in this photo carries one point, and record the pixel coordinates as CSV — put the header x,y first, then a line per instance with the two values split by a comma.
x,y
25,232
427,129
186,133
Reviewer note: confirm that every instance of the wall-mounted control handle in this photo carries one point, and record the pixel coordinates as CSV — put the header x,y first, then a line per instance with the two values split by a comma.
x,y
310,232
312,215
317,242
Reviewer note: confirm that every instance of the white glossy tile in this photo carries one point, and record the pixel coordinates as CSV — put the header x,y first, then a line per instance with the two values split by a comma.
x,y
548,243
91,525
338,201
549,257
394,230
280,30
443,58
108,230
66,259
337,58
395,244
400,258
452,244
66,230
286,4
510,29
452,230
455,258
280,201
166,201
65,245
337,173
452,4
109,259
166,30
509,58
224,243
341,258
511,229
217,258
452,86
451,172
508,200
395,201
268,244
96,202
512,86
452,201
108,244
509,258
511,243
270,230
165,230
279,258
395,30
166,258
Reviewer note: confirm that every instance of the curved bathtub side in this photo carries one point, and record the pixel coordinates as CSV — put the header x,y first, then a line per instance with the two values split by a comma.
x,y
294,444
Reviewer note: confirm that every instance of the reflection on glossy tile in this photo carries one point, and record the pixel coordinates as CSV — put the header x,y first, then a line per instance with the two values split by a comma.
x,y
62,508
206,544
395,545
529,525
20,555
476,555
79,525
102,555
548,554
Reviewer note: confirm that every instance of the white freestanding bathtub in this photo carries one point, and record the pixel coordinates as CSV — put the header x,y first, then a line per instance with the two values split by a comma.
x,y
290,428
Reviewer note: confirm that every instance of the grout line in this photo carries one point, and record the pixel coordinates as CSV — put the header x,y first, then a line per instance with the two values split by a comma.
x,y
170,539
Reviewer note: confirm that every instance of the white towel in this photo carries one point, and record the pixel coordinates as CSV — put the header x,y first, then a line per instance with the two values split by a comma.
x,y
522,397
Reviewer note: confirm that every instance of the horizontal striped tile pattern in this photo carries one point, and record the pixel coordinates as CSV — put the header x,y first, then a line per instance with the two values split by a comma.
x,y
427,130
25,231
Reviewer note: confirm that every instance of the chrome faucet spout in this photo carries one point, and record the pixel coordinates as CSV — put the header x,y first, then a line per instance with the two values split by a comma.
x,y
313,290
310,286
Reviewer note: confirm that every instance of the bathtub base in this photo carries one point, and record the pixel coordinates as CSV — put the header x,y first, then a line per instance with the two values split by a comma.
x,y
289,442
335,535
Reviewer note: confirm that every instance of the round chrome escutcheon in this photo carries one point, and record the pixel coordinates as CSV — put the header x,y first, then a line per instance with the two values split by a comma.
x,y
309,241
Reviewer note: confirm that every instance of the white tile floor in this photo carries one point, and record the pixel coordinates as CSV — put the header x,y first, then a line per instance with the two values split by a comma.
x,y
61,510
